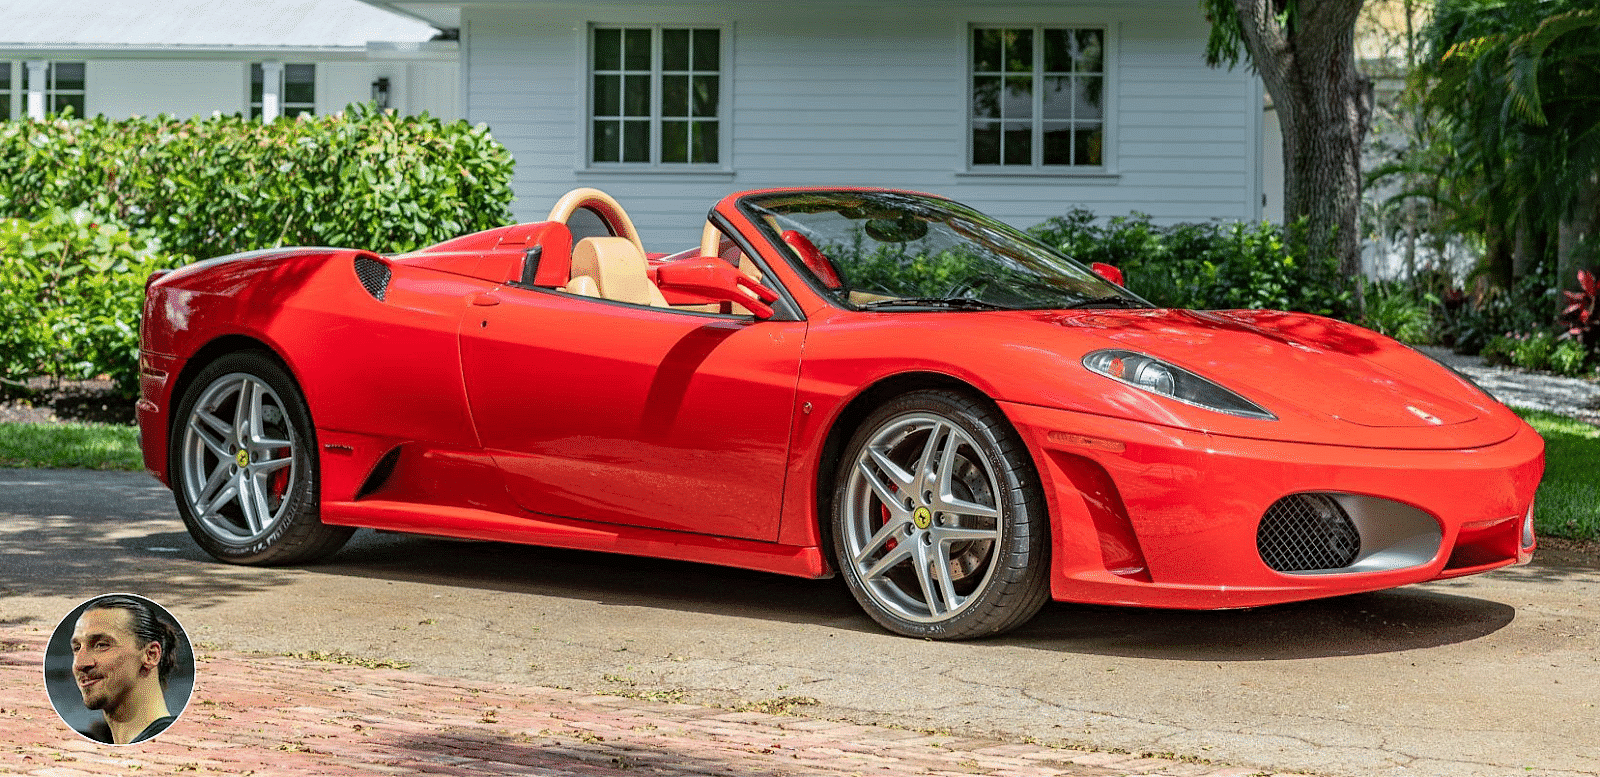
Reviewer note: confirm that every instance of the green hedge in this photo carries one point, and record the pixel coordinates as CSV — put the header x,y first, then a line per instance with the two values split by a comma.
x,y
1210,266
88,208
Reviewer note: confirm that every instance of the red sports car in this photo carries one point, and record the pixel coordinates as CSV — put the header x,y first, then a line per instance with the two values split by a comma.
x,y
881,384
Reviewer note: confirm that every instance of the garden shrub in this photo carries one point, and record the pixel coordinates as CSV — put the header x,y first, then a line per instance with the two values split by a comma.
x,y
200,188
70,291
1397,312
1209,265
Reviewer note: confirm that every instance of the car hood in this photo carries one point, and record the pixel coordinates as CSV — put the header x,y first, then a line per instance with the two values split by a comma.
x,y
1326,381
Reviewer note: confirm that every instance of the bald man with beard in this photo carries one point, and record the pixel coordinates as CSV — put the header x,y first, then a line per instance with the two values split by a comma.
x,y
122,654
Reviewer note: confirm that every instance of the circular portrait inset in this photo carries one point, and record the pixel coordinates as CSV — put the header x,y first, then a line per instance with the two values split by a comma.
x,y
119,669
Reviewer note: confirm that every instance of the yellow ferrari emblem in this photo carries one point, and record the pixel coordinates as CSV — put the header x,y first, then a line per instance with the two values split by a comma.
x,y
242,458
923,517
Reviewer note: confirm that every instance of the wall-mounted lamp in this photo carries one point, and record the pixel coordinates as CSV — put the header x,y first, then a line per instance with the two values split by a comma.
x,y
380,92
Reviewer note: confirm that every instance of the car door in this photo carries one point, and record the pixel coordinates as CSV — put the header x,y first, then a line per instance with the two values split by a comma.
x,y
624,414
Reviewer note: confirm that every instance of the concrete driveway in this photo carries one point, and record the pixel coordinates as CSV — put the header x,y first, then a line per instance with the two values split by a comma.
x,y
1493,675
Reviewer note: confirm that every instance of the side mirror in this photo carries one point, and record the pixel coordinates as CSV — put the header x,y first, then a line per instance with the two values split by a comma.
x,y
715,279
1108,272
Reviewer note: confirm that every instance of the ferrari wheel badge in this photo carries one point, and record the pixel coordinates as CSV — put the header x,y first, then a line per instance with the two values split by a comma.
x,y
923,517
242,458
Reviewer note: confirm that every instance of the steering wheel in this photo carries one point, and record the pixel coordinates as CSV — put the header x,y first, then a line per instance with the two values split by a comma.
x,y
603,205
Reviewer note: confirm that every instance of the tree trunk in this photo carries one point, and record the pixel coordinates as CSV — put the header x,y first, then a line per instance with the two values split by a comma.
x,y
1324,104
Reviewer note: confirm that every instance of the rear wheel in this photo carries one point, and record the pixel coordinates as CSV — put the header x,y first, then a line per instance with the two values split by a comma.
x,y
939,523
244,465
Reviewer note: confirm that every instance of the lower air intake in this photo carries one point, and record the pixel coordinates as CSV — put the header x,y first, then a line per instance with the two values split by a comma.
x,y
1307,532
374,275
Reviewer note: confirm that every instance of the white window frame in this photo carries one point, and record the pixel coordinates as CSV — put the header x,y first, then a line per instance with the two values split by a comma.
x,y
35,84
274,85
1109,112
723,165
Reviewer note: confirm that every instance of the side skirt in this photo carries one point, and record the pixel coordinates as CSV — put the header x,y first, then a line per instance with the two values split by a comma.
x,y
532,529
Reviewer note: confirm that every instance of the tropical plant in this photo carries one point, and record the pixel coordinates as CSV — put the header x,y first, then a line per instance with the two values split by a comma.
x,y
1581,315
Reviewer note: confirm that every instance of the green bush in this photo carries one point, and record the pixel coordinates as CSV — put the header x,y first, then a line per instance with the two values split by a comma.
x,y
1569,358
70,291
87,203
1398,313
1210,265
362,178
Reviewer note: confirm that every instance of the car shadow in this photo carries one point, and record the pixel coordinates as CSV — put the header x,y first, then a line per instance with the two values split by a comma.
x,y
1360,624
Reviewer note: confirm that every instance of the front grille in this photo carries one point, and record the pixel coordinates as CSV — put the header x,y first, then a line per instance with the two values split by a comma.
x,y
1306,532
374,275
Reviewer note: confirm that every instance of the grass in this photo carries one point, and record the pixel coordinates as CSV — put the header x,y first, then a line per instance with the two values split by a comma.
x,y
70,446
1568,504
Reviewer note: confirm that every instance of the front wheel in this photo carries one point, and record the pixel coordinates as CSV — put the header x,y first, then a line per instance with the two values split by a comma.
x,y
244,465
938,519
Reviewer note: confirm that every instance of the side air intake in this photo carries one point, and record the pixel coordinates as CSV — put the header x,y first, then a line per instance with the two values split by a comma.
x,y
374,276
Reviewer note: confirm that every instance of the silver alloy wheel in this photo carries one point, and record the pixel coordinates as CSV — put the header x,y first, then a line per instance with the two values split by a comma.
x,y
922,522
238,459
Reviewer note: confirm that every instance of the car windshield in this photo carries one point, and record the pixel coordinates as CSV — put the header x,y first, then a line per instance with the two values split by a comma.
x,y
893,250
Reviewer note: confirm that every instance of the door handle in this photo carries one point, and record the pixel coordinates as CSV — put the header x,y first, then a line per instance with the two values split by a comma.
x,y
485,299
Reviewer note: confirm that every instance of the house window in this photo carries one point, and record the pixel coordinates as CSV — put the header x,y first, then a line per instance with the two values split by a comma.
x,y
294,91
655,95
1038,97
5,91
63,86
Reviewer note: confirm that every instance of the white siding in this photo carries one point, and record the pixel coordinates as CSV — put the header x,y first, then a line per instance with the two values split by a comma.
x,y
846,94
122,88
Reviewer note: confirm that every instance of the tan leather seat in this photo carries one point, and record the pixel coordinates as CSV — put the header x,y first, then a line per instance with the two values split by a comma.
x,y
618,268
582,285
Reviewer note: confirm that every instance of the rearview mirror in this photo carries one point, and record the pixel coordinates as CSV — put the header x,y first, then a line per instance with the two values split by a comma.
x,y
1108,272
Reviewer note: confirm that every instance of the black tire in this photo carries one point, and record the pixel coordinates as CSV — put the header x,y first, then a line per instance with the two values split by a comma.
x,y
963,497
243,465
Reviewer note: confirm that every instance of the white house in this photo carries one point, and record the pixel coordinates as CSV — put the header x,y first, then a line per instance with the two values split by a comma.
x,y
199,57
1022,109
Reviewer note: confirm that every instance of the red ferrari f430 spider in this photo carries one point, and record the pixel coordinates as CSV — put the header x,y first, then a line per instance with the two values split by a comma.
x,y
879,384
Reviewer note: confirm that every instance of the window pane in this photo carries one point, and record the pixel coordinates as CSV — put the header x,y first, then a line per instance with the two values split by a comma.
x,y
705,96
607,141
256,79
608,95
674,95
293,111
5,77
1087,100
986,50
608,49
1058,96
674,141
674,49
706,146
707,49
66,76
636,141
1089,57
299,83
1019,98
985,143
1088,144
1058,51
1018,144
636,49
255,111
636,95
5,105
1057,143
60,103
985,97
1019,51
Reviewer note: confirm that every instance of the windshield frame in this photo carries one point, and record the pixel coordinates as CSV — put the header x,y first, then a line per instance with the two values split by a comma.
x,y
766,211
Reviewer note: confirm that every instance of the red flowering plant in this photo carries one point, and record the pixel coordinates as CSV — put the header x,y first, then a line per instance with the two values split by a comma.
x,y
1581,315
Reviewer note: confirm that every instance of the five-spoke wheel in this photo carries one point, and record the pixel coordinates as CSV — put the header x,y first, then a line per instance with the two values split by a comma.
x,y
938,523
244,466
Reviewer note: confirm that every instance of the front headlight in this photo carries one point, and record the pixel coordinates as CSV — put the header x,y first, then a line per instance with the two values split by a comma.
x,y
1150,374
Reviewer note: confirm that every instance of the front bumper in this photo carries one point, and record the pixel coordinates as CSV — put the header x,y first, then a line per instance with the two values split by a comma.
x,y
1148,515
